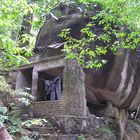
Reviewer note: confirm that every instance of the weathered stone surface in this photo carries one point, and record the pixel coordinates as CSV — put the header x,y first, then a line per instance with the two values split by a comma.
x,y
118,81
116,84
25,132
73,89
75,20
92,125
59,137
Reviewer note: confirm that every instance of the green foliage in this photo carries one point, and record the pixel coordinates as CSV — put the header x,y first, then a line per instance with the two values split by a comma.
x,y
82,50
81,137
105,130
119,29
11,14
13,122
25,138
34,123
11,119
23,97
3,110
3,116
3,85
122,13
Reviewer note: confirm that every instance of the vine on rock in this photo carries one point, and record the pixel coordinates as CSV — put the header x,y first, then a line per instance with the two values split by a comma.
x,y
117,31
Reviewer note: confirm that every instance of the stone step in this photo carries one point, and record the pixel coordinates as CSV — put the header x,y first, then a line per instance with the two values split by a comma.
x,y
45,130
58,137
65,137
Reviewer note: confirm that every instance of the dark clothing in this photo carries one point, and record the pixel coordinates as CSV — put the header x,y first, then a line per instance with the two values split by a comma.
x,y
53,88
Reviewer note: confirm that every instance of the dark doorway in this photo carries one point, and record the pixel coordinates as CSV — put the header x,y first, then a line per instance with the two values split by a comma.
x,y
26,80
50,84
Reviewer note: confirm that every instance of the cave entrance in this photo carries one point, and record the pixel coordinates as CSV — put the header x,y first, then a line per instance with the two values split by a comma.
x,y
50,84
96,109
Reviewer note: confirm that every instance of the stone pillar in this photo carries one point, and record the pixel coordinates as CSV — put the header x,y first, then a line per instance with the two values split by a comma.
x,y
74,89
34,83
20,80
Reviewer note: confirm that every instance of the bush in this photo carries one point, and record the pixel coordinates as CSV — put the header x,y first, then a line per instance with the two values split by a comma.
x,y
25,138
23,97
34,123
3,116
3,85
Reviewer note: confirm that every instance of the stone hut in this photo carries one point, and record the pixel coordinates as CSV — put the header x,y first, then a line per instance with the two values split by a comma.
x,y
72,99
80,92
118,82
47,64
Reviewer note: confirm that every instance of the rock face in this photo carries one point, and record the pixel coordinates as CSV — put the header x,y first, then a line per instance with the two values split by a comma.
x,y
4,135
110,92
75,20
117,82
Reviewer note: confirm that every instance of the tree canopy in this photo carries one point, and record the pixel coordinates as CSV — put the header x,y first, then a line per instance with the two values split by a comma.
x,y
124,15
120,23
12,13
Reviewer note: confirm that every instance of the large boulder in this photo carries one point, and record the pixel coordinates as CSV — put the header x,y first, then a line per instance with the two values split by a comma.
x,y
71,17
117,82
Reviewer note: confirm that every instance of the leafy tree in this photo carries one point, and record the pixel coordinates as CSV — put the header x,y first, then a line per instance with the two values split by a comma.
x,y
120,22
16,43
123,14
11,13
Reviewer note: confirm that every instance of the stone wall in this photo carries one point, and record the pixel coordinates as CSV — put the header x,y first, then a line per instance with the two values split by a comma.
x,y
73,100
49,108
90,128
74,89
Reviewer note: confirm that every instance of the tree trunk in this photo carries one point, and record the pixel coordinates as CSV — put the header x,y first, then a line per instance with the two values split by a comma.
x,y
121,118
26,28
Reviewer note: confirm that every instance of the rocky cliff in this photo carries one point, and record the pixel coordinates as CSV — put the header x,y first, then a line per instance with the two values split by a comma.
x,y
112,91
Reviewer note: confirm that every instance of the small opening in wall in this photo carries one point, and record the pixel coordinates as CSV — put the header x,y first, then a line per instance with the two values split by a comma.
x,y
50,84
26,80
